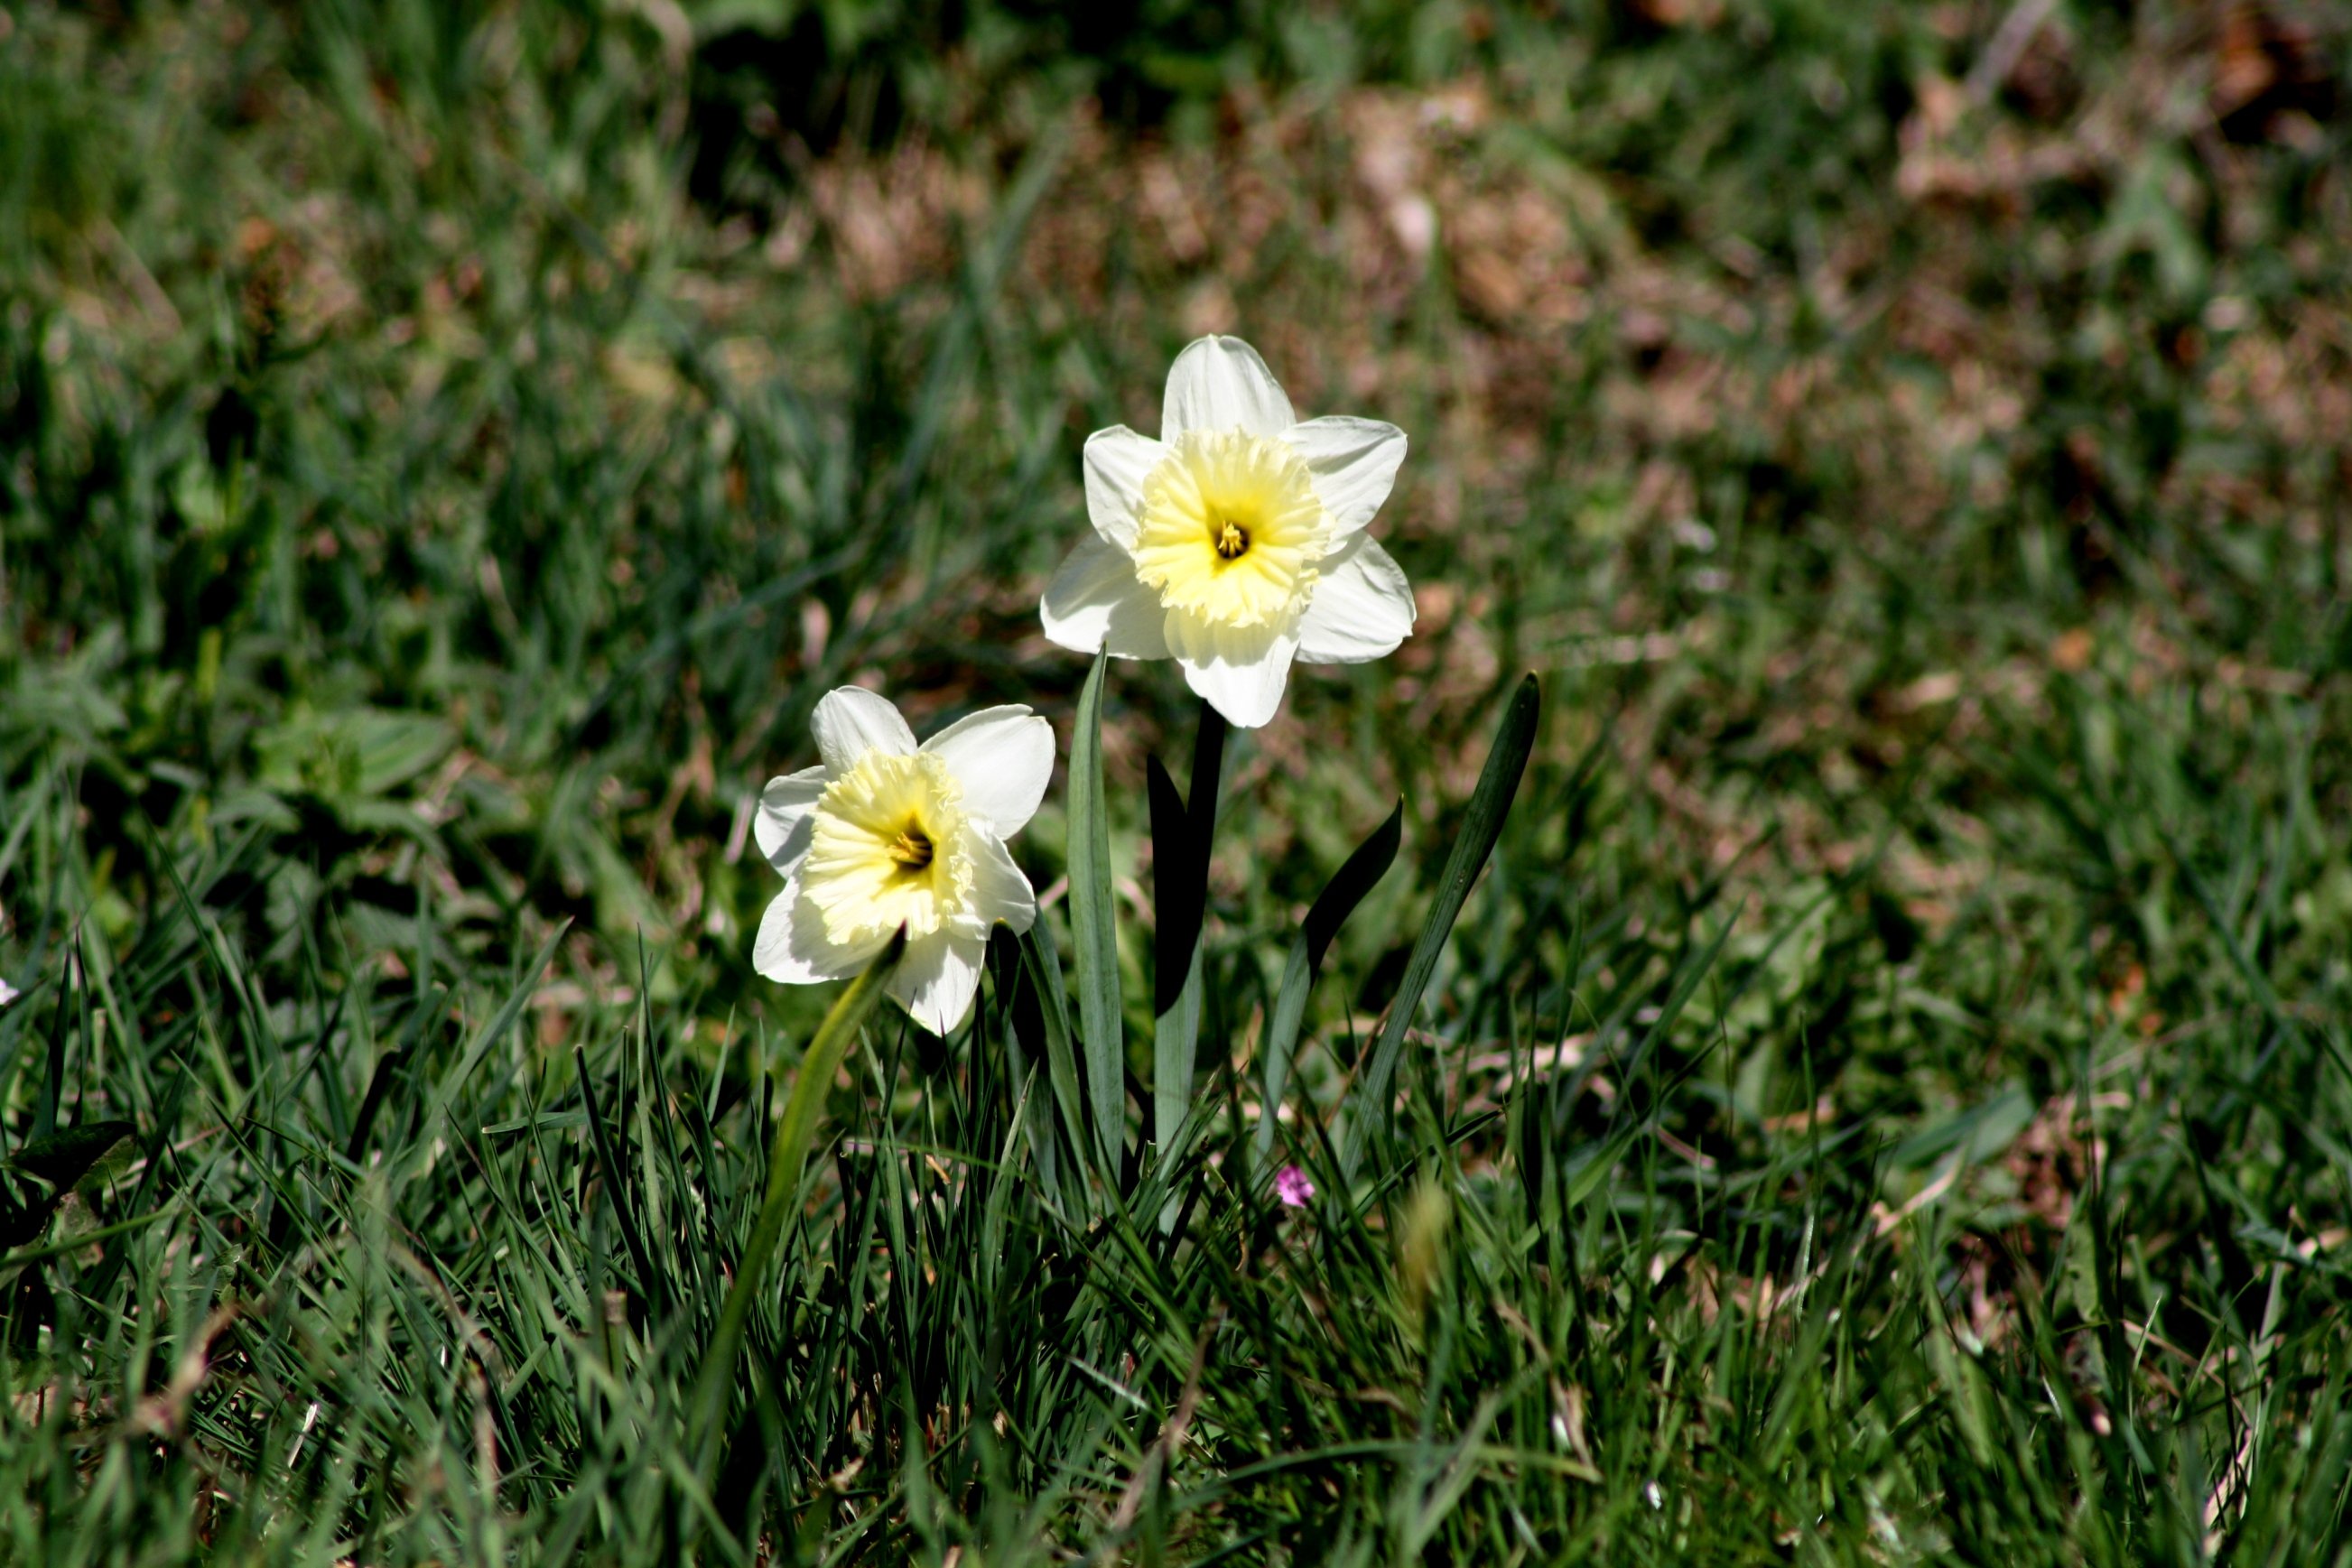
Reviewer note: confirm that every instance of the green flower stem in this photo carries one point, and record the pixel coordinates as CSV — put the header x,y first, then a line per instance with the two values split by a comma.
x,y
833,1039
1183,906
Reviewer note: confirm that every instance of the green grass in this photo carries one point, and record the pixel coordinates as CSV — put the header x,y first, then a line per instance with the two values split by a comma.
x,y
1883,1101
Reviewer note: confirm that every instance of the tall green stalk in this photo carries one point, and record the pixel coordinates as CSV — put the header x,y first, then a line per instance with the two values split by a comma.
x,y
1182,838
833,1039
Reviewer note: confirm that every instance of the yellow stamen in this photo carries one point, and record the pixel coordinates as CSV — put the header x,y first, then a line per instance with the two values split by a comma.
x,y
1231,533
885,850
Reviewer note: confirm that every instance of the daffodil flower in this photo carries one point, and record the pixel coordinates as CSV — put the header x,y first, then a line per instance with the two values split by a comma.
x,y
1235,544
884,833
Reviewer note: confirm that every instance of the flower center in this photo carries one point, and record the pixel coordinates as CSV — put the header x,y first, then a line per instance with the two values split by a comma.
x,y
1231,531
886,849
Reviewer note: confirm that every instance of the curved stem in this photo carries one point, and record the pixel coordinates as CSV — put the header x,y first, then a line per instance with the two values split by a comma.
x,y
834,1037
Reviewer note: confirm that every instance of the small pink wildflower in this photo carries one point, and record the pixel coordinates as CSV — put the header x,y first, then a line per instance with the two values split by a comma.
x,y
1291,1185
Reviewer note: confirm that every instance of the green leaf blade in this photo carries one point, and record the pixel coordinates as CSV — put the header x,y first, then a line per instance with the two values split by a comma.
x,y
1100,1028
1482,825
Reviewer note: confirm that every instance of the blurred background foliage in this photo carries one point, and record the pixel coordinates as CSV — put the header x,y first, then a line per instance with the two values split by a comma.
x,y
463,442
446,450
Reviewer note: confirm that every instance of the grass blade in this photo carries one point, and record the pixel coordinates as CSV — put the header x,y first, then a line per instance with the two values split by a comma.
x,y
510,1009
650,1279
1490,804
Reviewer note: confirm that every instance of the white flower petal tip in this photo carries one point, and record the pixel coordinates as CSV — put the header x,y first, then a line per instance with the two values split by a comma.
x,y
1363,608
886,835
1096,601
1001,895
1234,543
781,825
1241,677
795,949
851,721
1355,464
1003,758
1118,461
937,980
1221,383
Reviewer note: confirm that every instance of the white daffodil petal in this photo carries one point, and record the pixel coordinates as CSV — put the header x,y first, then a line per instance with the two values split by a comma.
x,y
1354,462
938,979
1201,640
793,946
999,891
851,721
1004,759
1117,461
1246,690
1363,609
1220,383
782,824
1095,601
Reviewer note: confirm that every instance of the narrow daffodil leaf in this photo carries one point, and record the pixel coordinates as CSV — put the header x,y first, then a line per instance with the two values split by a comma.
x,y
1361,873
1096,940
1490,805
1356,879
834,1037
1173,1046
